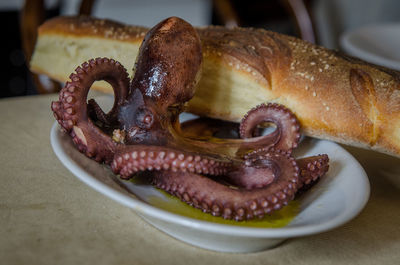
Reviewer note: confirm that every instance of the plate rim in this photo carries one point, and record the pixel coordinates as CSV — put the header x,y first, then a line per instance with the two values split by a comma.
x,y
348,46
206,226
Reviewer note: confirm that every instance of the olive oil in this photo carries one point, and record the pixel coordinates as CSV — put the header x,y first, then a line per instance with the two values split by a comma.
x,y
277,219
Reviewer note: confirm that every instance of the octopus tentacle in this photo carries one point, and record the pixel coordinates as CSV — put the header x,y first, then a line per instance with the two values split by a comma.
x,y
230,202
311,169
71,110
287,133
141,157
96,113
257,171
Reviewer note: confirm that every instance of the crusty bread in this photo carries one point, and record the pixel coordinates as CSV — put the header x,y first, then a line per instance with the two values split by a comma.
x,y
335,97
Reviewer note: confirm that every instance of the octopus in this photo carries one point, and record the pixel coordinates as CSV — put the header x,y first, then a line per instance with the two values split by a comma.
x,y
240,178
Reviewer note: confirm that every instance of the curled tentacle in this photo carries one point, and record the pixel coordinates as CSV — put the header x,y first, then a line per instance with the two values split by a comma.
x,y
258,169
141,157
311,169
235,202
71,111
287,133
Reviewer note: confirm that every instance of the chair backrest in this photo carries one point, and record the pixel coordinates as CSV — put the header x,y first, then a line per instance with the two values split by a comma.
x,y
300,11
227,13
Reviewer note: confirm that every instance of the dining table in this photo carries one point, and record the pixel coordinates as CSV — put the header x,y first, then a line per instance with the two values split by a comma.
x,y
48,216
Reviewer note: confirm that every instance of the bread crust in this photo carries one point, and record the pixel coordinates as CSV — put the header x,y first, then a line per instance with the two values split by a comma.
x,y
335,97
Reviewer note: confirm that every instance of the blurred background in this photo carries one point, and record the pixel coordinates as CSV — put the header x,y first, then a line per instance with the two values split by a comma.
x,y
318,21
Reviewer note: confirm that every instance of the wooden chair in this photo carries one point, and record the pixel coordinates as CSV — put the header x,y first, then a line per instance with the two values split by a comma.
x,y
33,14
298,10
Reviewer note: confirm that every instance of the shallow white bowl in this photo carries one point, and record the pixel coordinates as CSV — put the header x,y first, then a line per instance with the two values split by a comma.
x,y
334,200
378,44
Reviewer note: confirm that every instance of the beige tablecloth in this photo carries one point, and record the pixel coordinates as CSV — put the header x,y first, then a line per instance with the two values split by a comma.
x,y
47,216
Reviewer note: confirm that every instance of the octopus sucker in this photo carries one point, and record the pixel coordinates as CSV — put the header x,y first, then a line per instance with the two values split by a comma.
x,y
241,177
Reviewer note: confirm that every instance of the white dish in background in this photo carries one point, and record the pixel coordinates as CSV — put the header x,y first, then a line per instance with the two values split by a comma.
x,y
377,44
333,201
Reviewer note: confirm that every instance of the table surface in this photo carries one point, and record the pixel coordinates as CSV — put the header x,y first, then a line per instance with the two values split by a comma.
x,y
47,216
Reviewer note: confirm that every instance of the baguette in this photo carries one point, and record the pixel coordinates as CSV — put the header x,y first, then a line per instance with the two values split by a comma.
x,y
334,96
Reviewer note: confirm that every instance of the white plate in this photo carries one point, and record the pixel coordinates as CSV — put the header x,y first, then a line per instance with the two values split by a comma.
x,y
336,199
378,44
